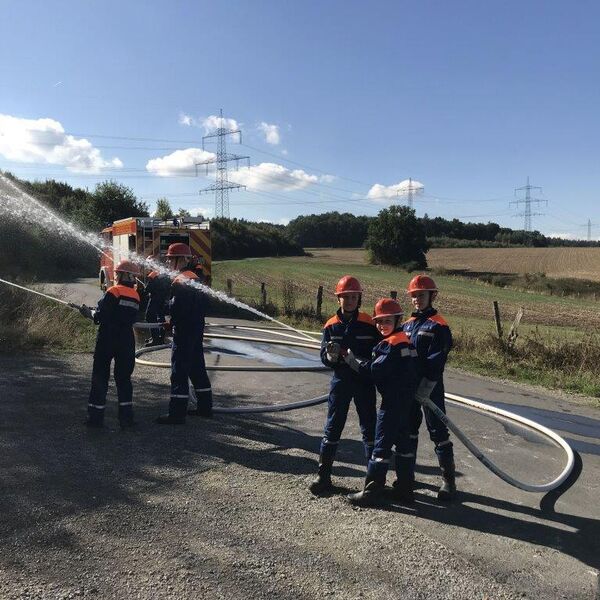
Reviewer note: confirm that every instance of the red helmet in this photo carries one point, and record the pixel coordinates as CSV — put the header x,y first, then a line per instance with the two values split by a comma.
x,y
421,283
387,307
348,285
127,266
179,249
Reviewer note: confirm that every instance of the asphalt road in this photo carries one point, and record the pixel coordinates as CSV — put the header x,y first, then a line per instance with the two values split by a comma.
x,y
220,507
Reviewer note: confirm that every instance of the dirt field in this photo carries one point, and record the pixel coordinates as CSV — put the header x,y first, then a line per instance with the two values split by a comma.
x,y
581,263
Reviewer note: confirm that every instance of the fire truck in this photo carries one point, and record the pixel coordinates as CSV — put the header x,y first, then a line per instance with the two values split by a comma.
x,y
146,236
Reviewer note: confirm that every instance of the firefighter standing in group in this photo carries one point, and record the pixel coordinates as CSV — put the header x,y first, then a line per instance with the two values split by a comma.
x,y
116,313
393,368
430,335
348,329
187,308
158,288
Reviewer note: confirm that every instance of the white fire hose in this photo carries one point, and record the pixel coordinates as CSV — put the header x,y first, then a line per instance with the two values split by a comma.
x,y
472,404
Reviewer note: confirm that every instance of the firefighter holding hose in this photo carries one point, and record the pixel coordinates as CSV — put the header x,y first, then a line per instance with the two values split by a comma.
x,y
116,313
430,335
187,308
348,329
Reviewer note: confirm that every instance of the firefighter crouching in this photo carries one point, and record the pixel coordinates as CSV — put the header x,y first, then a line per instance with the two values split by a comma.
x,y
430,335
158,288
187,308
352,330
393,368
116,313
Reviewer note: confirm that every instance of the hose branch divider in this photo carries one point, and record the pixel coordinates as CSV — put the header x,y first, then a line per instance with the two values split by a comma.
x,y
302,343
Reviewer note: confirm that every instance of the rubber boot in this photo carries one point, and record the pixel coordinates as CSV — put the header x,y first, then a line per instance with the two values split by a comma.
x,y
403,491
371,495
322,483
447,490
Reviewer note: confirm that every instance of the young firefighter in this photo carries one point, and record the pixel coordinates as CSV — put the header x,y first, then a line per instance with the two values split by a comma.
x,y
348,329
158,289
392,367
116,313
430,335
187,308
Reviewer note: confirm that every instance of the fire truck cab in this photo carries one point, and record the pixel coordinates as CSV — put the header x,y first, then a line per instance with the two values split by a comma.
x,y
146,235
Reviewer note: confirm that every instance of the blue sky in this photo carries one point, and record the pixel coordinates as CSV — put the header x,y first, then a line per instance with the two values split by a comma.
x,y
467,97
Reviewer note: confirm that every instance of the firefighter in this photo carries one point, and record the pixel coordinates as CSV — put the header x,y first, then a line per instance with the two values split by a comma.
x,y
348,329
187,308
393,368
116,313
158,289
431,336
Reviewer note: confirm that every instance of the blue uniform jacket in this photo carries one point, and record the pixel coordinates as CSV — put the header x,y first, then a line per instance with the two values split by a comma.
x,y
430,335
187,306
158,287
117,311
393,367
358,334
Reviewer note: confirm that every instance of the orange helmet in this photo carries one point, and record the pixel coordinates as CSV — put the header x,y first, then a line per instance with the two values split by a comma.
x,y
127,266
179,249
348,285
421,283
387,307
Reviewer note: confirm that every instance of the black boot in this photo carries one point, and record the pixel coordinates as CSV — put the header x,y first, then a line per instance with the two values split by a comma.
x,y
371,495
322,483
447,490
206,412
169,420
403,491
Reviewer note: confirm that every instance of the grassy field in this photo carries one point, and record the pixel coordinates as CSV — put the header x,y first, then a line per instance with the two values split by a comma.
x,y
579,263
557,347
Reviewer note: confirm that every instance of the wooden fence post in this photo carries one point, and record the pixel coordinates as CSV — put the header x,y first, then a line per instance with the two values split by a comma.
x,y
229,287
393,294
497,318
513,333
263,294
319,301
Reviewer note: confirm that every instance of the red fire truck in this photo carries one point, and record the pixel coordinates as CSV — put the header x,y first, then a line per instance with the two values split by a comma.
x,y
146,235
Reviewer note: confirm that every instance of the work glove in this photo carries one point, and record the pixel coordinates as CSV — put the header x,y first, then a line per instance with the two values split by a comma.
x,y
424,390
351,360
332,352
86,312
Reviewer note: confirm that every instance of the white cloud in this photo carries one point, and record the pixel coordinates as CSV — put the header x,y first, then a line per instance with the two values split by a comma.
x,y
187,120
271,133
180,162
563,235
381,193
284,152
270,176
327,178
213,122
45,141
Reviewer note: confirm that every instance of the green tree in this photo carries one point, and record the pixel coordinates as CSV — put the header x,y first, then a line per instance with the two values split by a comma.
x,y
397,237
182,212
163,210
110,202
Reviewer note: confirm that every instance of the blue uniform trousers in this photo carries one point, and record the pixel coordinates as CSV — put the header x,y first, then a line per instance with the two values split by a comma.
x,y
341,393
122,350
187,364
393,428
155,312
406,452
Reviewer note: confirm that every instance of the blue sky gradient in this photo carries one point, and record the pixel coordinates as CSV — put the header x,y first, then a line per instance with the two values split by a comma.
x,y
467,97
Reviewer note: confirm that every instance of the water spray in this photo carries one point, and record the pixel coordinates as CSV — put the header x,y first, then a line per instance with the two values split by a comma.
x,y
26,289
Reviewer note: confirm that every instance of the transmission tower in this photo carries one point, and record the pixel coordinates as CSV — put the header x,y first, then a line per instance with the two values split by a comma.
x,y
528,200
410,192
589,226
222,184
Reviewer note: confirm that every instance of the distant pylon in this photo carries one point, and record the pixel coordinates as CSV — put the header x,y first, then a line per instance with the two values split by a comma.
x,y
528,201
222,185
410,192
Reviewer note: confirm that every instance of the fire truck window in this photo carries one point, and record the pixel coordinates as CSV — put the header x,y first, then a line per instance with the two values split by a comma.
x,y
131,242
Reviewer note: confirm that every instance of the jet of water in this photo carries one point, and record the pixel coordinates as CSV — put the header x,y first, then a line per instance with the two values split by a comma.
x,y
17,203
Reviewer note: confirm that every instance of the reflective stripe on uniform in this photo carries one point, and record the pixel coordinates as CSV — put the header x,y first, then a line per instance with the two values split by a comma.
x,y
337,337
384,461
444,443
426,333
129,303
179,396
364,337
407,455
125,403
98,406
414,353
404,351
208,389
414,436
330,443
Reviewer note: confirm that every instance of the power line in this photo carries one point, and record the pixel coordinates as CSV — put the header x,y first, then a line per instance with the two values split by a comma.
x,y
528,200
